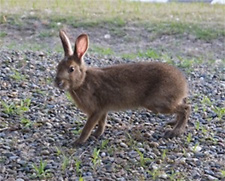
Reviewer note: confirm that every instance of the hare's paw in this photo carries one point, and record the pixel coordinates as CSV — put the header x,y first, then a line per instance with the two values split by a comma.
x,y
98,133
172,123
77,143
171,134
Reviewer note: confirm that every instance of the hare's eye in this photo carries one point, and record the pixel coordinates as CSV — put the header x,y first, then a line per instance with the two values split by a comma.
x,y
71,69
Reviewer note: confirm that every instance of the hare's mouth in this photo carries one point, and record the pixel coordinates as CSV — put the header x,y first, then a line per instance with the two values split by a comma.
x,y
62,85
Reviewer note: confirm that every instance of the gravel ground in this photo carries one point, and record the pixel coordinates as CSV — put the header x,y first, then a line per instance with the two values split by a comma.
x,y
38,123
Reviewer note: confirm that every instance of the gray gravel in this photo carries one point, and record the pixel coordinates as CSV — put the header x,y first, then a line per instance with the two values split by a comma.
x,y
132,148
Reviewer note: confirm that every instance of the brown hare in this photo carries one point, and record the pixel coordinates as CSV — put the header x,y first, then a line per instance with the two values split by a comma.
x,y
158,87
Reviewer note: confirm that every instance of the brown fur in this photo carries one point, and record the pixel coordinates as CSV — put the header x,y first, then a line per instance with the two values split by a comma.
x,y
156,86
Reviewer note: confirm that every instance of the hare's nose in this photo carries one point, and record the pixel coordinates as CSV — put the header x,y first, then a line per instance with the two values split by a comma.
x,y
58,82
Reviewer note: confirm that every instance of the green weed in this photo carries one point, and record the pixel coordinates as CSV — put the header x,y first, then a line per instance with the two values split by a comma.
x,y
154,173
143,160
3,34
223,173
96,158
8,108
150,53
25,122
164,154
173,175
102,51
40,170
220,112
103,144
47,33
58,151
68,96
78,166
189,138
24,106
197,125
65,162
17,76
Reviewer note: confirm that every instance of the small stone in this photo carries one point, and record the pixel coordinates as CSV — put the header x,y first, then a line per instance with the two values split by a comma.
x,y
103,154
107,36
123,145
154,144
2,169
19,179
210,177
163,175
45,152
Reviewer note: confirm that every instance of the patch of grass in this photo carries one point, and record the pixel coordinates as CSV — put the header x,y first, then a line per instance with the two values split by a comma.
x,y
154,173
101,50
40,171
95,158
150,53
189,138
220,112
3,34
65,163
78,166
17,76
223,173
178,18
26,122
46,33
15,108
104,143
143,160
8,108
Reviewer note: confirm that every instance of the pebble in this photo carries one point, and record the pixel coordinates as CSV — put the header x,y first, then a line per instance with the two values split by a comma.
x,y
123,145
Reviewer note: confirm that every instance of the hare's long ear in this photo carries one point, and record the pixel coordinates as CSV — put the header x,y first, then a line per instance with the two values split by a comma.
x,y
81,46
66,43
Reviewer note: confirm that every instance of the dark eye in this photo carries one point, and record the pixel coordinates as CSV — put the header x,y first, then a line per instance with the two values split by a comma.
x,y
71,69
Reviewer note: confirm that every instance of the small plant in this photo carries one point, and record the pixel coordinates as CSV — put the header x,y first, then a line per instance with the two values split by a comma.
x,y
65,162
58,151
102,51
143,160
95,158
219,111
78,166
164,154
197,125
8,108
189,138
206,102
68,96
173,175
24,106
17,76
40,170
103,144
195,148
25,122
154,173
223,173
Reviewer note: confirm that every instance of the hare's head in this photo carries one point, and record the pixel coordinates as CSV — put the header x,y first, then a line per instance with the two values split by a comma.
x,y
71,70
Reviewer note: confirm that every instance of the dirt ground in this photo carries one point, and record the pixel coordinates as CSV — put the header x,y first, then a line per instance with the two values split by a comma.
x,y
130,38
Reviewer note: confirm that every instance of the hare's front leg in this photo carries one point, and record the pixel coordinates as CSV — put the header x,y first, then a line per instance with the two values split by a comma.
x,y
101,126
90,124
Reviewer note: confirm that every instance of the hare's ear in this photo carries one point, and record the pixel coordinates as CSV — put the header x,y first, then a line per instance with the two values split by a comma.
x,y
81,46
66,43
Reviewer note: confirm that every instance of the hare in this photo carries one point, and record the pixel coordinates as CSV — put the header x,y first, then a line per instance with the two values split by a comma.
x,y
156,86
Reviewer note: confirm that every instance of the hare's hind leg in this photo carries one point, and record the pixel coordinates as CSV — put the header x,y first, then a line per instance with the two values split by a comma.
x,y
101,126
182,114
